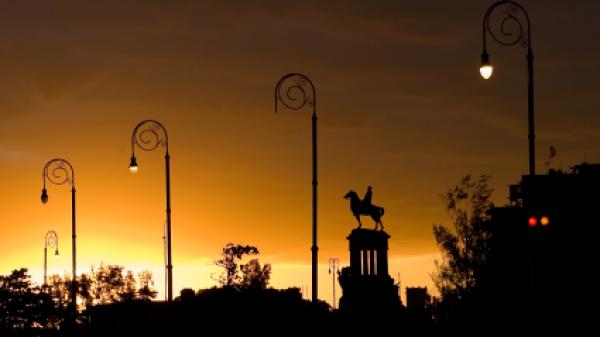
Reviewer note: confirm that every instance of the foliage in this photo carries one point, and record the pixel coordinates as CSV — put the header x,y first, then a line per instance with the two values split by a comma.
x,y
464,249
108,284
255,276
24,307
104,285
249,275
146,291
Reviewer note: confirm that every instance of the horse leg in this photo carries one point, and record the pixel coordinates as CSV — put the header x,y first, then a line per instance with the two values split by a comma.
x,y
377,220
358,219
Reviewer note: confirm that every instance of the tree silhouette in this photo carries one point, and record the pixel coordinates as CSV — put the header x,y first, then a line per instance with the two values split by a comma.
x,y
255,276
111,284
84,289
464,249
104,285
231,255
146,291
107,283
128,291
24,307
27,309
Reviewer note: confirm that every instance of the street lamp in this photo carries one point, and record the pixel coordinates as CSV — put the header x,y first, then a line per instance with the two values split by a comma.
x,y
149,135
512,32
295,91
334,264
51,240
59,171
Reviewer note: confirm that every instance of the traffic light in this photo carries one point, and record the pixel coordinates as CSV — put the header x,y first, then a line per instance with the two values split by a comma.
x,y
534,220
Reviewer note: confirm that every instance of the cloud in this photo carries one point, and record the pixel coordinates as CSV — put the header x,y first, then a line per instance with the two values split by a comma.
x,y
12,154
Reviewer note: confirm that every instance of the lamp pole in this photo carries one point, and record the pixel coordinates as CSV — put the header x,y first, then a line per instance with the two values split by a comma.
x,y
59,171
149,135
334,264
511,32
165,261
51,240
295,91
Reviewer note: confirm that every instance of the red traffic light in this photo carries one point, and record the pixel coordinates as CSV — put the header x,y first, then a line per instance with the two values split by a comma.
x,y
533,221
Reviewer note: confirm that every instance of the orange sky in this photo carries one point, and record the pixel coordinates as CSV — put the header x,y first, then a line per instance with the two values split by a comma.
x,y
400,102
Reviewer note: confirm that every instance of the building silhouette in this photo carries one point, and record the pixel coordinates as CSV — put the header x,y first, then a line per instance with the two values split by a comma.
x,y
417,298
543,242
368,290
418,306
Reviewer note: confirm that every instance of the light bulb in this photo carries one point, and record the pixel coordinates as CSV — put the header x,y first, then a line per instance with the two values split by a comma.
x,y
133,167
486,69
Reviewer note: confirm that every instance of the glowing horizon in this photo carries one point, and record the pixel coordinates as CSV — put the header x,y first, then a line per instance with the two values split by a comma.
x,y
401,108
197,274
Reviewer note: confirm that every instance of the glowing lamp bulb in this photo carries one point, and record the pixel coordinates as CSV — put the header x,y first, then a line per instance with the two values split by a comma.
x,y
545,221
56,254
532,221
486,69
133,167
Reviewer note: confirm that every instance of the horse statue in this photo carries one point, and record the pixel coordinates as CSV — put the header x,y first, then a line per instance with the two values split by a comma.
x,y
365,207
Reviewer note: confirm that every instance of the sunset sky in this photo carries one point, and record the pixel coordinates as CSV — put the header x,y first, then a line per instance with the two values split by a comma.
x,y
401,107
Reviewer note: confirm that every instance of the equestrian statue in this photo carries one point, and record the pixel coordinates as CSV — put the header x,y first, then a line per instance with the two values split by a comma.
x,y
365,207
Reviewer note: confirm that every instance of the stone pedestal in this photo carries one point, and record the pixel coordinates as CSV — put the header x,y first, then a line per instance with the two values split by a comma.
x,y
368,289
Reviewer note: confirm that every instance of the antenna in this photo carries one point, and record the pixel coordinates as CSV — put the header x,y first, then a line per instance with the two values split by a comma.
x,y
334,264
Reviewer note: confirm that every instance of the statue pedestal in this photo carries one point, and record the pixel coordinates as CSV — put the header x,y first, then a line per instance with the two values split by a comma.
x,y
368,289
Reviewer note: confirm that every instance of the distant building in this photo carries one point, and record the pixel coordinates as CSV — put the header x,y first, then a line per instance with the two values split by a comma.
x,y
187,294
418,306
368,289
417,298
543,241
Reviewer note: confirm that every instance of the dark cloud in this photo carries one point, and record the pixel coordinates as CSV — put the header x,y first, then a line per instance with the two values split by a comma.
x,y
401,103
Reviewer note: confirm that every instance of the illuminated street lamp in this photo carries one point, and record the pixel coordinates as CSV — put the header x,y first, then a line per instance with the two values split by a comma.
x,y
149,135
133,166
512,32
295,91
59,171
51,240
486,69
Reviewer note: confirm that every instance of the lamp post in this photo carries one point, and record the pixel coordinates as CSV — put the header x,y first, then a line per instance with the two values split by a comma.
x,y
334,264
509,37
59,171
51,240
512,32
295,91
164,241
149,135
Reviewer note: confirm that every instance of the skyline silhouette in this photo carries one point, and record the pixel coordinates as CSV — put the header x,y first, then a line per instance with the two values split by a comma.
x,y
401,107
